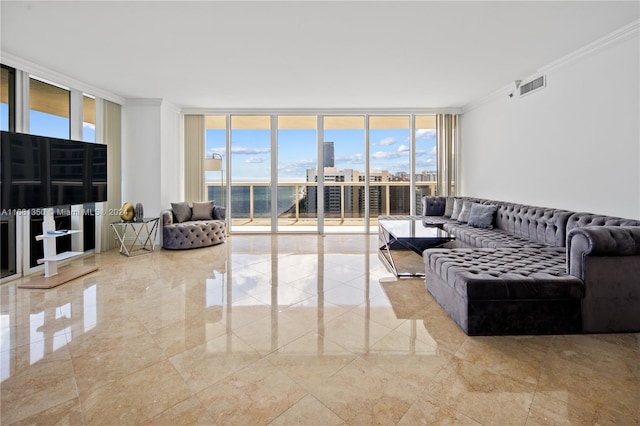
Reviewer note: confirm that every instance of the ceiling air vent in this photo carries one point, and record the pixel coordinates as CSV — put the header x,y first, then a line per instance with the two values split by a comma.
x,y
537,83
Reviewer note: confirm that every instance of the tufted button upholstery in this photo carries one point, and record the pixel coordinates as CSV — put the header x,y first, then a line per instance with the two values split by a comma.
x,y
540,270
487,238
191,234
433,206
538,224
505,273
580,220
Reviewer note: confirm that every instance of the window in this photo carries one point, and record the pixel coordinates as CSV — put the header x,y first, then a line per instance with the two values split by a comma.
x,y
215,147
49,110
297,155
390,165
333,173
251,171
88,118
344,143
8,260
7,99
426,158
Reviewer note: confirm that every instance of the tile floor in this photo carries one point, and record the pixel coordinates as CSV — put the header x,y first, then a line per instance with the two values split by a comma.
x,y
287,330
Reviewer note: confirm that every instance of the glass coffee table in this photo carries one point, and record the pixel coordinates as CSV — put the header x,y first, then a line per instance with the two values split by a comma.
x,y
408,234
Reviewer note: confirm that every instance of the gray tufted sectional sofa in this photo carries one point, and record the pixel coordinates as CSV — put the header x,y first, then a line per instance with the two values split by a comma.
x,y
193,233
537,271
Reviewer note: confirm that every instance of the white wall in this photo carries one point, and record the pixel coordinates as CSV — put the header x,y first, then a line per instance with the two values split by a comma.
x,y
141,153
151,154
573,145
172,156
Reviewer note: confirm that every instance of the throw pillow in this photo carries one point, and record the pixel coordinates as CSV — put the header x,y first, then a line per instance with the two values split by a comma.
x,y
465,212
482,215
202,210
433,206
181,211
457,208
448,206
219,213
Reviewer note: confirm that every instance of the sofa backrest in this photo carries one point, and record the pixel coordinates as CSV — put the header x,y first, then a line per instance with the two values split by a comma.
x,y
433,206
580,220
537,224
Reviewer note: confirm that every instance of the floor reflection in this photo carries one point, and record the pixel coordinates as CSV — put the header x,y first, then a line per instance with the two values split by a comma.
x,y
314,327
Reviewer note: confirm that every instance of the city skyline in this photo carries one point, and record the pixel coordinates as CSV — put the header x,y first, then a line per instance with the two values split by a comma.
x,y
251,152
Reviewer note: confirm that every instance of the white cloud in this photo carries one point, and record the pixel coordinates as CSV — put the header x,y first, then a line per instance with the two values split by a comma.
x,y
403,148
425,133
255,160
387,141
297,166
218,150
382,155
352,159
249,151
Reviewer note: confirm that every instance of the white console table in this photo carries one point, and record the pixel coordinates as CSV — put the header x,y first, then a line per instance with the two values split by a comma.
x,y
51,259
53,278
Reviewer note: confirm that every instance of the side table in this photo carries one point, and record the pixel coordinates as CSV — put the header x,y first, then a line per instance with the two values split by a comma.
x,y
143,232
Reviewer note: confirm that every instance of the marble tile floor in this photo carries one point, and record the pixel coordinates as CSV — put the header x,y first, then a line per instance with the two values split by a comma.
x,y
287,330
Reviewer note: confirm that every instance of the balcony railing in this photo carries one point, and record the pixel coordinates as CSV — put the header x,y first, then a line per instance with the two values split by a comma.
x,y
344,202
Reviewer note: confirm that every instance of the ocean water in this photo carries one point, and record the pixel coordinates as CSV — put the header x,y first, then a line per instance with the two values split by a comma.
x,y
240,201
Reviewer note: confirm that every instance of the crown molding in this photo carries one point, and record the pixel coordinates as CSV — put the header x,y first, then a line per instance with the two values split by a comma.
x,y
322,111
503,91
21,64
622,33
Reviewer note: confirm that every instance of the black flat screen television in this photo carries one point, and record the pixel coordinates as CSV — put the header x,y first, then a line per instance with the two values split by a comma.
x,y
38,172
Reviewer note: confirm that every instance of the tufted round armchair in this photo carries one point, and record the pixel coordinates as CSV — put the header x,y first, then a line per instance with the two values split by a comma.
x,y
192,233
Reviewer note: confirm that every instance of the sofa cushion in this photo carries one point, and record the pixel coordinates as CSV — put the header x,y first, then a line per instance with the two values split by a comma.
x,y
457,208
448,207
500,274
465,212
433,206
219,213
181,211
481,215
202,210
469,236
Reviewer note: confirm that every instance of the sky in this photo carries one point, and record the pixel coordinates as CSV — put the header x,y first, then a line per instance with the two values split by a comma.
x,y
297,152
44,124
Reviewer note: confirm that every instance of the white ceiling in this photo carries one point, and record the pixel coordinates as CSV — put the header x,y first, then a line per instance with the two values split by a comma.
x,y
304,54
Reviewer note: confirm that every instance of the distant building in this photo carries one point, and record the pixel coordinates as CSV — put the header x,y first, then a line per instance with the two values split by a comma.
x,y
329,155
427,176
354,196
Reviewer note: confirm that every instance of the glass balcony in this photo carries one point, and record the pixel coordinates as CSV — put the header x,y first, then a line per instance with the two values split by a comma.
x,y
344,202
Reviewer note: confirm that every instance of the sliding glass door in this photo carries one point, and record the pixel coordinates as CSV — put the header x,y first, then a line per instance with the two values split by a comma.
x,y
344,173
251,173
426,158
320,173
297,161
216,148
390,164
